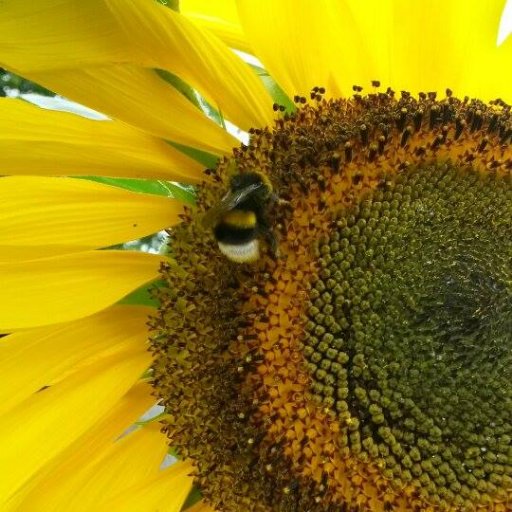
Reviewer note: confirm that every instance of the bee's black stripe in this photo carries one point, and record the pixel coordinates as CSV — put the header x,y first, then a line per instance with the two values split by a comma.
x,y
228,234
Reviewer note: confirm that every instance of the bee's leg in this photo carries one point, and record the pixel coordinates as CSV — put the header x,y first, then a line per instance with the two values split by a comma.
x,y
272,241
274,244
266,230
275,199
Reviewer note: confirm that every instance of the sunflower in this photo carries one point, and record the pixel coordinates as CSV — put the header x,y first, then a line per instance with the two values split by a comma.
x,y
362,362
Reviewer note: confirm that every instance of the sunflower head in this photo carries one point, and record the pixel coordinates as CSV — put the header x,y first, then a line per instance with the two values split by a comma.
x,y
351,352
368,365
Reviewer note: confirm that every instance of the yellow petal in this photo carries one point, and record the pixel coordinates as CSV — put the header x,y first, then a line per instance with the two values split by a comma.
x,y
433,56
34,433
67,212
225,11
505,28
89,447
488,74
13,254
55,34
138,32
221,18
141,98
66,144
132,460
169,41
60,289
35,358
302,43
230,35
456,49
153,36
167,492
357,42
98,41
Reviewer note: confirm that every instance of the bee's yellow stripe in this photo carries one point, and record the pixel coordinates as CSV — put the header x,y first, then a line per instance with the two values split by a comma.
x,y
266,182
240,218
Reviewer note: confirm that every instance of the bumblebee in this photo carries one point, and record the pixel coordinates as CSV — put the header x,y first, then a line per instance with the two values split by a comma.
x,y
240,218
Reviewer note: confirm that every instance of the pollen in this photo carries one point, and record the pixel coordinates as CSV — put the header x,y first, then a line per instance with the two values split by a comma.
x,y
367,366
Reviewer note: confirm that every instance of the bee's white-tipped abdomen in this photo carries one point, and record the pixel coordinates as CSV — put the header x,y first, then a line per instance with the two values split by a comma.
x,y
241,253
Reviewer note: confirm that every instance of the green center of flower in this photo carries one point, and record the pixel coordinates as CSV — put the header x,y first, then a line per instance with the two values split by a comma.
x,y
409,337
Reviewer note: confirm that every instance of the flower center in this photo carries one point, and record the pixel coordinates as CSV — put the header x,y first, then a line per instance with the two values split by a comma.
x,y
368,363
409,330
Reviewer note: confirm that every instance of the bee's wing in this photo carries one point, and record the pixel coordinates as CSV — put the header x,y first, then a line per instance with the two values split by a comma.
x,y
227,203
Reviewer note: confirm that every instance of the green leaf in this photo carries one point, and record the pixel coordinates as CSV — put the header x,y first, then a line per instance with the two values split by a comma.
x,y
157,187
211,112
278,95
180,85
182,192
172,4
193,497
204,158
9,80
193,96
143,296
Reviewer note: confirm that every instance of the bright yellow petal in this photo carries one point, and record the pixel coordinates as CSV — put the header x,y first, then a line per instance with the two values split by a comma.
x,y
154,37
130,461
66,144
225,11
488,74
61,289
34,433
35,358
170,41
51,34
429,46
400,43
166,493
89,447
444,53
221,18
231,35
101,71
141,98
301,43
67,212
505,28
13,254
